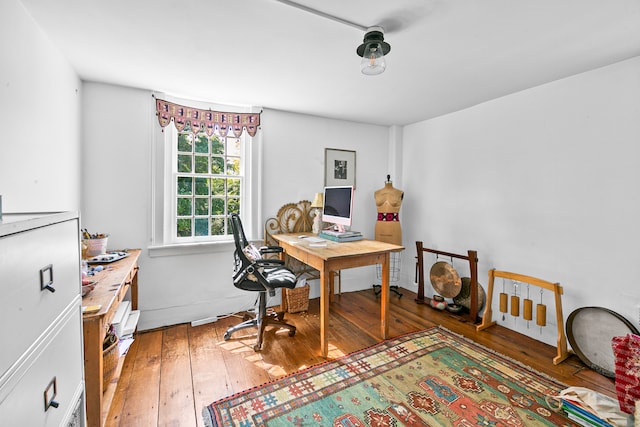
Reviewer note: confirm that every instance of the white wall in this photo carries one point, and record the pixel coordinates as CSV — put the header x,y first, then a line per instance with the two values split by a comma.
x,y
40,166
119,123
543,182
294,149
294,146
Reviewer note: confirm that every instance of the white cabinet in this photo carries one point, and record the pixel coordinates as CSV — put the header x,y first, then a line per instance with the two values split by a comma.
x,y
41,361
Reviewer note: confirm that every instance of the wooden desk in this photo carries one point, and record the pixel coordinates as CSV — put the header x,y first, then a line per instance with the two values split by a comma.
x,y
339,256
113,284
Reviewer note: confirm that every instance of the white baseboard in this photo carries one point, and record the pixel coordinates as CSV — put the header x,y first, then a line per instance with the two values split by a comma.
x,y
204,321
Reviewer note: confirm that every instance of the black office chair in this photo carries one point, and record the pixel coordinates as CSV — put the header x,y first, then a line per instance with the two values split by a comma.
x,y
257,274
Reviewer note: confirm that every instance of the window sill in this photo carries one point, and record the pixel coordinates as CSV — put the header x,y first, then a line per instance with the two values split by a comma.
x,y
189,248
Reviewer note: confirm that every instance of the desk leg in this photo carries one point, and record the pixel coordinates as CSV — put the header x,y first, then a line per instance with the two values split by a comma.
x,y
324,310
332,289
384,297
93,371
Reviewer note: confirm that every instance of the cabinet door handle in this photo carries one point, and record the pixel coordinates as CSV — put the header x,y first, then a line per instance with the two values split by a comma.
x,y
50,394
47,284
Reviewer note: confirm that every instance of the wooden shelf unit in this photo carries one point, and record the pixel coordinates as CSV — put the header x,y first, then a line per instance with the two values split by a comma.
x,y
118,280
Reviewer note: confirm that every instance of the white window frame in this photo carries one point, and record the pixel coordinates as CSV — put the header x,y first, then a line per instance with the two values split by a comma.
x,y
164,241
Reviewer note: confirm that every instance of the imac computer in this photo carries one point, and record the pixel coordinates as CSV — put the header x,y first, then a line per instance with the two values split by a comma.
x,y
338,206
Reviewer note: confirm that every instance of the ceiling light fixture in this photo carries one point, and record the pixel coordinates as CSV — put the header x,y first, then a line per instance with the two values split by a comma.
x,y
373,50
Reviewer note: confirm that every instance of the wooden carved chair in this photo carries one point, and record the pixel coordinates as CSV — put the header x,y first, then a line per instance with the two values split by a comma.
x,y
294,218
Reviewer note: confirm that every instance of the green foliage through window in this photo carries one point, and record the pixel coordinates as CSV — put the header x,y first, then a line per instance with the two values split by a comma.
x,y
208,183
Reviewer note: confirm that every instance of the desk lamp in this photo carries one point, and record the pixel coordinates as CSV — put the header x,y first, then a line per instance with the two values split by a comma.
x,y
318,202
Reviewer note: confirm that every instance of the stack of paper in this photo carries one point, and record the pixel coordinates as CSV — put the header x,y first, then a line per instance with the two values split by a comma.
x,y
125,320
345,236
582,415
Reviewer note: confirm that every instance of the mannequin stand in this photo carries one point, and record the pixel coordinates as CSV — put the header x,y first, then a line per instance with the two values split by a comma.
x,y
393,288
394,270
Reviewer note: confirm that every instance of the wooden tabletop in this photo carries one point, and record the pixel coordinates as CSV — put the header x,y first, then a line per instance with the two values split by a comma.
x,y
109,282
337,249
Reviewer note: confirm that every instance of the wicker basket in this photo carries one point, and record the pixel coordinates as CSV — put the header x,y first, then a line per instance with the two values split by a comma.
x,y
298,299
110,356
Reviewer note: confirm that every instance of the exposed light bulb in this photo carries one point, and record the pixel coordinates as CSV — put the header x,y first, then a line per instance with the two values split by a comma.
x,y
373,61
372,57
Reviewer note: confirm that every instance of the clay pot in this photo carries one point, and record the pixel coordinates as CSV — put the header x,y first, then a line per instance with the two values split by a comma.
x,y
438,302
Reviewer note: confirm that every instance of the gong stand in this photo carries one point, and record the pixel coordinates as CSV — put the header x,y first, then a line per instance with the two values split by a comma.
x,y
471,257
554,287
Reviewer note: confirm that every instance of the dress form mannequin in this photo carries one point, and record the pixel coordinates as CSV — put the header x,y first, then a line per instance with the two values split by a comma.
x,y
388,201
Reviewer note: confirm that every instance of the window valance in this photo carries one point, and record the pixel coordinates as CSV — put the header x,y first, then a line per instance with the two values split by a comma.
x,y
206,120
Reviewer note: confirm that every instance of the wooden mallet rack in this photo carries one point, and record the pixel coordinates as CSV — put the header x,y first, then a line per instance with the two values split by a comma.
x,y
554,287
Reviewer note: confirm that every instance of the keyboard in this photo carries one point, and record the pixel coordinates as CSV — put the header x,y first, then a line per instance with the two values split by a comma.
x,y
315,239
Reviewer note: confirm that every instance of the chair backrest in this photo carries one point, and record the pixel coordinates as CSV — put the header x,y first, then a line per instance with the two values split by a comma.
x,y
253,272
243,267
239,237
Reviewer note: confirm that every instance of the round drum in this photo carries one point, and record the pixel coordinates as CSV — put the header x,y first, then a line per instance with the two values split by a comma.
x,y
590,330
445,279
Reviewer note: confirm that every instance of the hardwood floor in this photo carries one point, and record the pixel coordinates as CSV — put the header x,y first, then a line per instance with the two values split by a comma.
x,y
170,374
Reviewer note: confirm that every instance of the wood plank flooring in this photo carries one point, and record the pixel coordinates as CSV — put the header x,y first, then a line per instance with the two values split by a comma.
x,y
170,374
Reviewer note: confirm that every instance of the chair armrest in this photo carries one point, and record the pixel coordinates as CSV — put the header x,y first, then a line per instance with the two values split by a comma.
x,y
271,249
265,262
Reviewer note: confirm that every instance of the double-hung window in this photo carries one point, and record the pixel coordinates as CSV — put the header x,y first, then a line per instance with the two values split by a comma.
x,y
198,181
208,185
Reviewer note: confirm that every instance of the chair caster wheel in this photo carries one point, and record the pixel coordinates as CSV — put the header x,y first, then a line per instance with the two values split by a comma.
x,y
226,336
292,332
257,347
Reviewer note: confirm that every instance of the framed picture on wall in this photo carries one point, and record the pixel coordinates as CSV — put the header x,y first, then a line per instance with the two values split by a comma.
x,y
339,167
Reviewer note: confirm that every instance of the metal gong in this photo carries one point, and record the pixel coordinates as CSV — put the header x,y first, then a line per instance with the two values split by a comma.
x,y
464,297
445,279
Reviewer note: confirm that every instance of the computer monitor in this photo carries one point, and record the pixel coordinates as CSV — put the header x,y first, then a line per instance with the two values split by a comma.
x,y
338,206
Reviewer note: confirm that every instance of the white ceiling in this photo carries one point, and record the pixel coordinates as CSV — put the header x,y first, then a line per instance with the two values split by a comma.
x,y
446,55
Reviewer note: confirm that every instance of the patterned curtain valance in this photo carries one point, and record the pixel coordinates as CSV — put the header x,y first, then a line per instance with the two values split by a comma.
x,y
206,120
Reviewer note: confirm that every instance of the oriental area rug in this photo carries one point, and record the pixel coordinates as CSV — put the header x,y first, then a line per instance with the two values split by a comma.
x,y
428,378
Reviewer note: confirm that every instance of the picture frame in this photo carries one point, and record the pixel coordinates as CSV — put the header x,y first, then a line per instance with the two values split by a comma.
x,y
339,167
